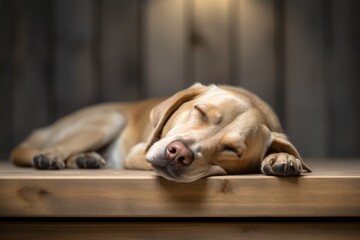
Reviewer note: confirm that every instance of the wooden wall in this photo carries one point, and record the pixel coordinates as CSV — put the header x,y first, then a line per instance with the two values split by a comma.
x,y
300,56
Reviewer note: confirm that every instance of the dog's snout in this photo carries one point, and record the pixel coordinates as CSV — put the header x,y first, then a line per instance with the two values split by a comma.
x,y
178,154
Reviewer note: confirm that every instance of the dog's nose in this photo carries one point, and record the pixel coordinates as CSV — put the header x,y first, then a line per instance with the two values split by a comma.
x,y
178,154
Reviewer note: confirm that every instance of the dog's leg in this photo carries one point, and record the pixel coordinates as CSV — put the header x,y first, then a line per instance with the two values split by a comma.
x,y
89,133
281,164
89,160
23,154
136,158
283,159
81,140
93,133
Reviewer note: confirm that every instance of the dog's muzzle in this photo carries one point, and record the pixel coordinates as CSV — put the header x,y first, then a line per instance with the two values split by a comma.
x,y
173,161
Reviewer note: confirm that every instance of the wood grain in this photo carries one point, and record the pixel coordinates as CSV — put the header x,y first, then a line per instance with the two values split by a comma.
x,y
304,50
255,41
164,47
75,69
344,80
109,193
31,61
119,52
6,83
211,33
177,230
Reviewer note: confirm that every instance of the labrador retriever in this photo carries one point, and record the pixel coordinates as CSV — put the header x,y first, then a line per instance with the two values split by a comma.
x,y
198,132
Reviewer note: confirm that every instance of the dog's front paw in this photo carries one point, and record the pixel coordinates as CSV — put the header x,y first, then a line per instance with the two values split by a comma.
x,y
48,161
91,160
281,164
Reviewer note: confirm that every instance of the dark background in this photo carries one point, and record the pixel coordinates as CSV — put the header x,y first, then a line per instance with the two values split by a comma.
x,y
301,56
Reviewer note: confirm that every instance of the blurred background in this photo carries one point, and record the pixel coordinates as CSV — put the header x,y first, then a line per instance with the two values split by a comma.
x,y
301,56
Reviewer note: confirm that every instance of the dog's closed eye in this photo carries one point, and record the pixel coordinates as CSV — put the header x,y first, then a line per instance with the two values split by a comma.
x,y
201,110
208,113
231,150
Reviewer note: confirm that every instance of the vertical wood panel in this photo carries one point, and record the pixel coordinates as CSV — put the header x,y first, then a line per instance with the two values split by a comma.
x,y
305,86
345,75
211,35
75,70
30,66
6,48
120,50
356,77
164,46
255,30
108,50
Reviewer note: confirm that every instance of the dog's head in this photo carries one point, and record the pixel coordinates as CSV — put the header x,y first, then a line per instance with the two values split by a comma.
x,y
211,130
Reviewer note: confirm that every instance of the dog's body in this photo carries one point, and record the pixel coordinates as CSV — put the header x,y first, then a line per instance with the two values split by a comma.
x,y
198,132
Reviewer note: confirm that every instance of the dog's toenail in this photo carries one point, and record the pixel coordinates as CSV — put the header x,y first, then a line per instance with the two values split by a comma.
x,y
41,162
80,162
92,163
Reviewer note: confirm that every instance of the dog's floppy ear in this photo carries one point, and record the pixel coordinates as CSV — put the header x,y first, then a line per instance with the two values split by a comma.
x,y
162,112
280,143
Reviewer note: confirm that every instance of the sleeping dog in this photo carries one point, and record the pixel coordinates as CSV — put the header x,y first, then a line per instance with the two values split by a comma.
x,y
198,132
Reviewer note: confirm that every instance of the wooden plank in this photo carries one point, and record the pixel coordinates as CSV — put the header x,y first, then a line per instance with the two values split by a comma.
x,y
75,69
6,49
177,230
211,35
345,113
164,47
120,63
306,109
255,51
328,192
30,59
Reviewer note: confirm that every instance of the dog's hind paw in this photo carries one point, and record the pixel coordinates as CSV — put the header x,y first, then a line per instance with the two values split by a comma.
x,y
48,161
281,164
91,160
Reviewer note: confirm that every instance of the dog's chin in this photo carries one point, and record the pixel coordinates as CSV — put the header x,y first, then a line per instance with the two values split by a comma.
x,y
180,176
168,173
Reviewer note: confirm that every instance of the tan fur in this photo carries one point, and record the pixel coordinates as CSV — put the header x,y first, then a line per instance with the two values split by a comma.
x,y
228,130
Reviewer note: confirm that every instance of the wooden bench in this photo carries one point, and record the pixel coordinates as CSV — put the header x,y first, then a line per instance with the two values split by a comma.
x,y
331,191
